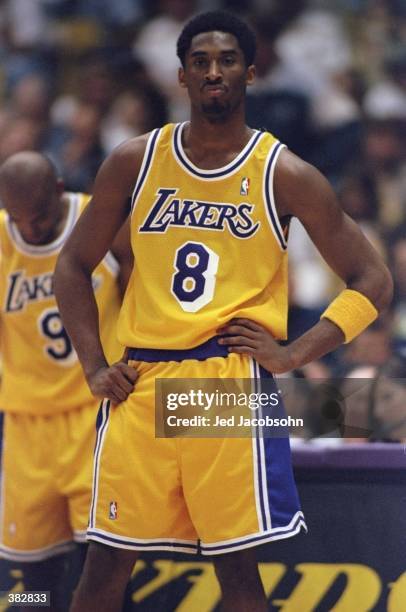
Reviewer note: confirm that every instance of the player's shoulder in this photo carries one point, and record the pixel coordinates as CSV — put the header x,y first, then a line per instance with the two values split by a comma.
x,y
293,173
126,158
298,184
292,169
132,149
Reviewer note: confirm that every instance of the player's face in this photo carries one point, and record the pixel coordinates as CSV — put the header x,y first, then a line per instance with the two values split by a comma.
x,y
36,218
390,406
215,75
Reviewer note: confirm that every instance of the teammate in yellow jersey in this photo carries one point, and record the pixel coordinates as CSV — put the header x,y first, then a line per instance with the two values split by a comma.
x,y
207,298
50,414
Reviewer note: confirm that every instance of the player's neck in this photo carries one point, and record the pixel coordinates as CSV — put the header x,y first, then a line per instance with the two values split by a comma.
x,y
203,139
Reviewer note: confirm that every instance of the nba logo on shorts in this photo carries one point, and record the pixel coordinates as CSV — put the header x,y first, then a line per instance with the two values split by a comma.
x,y
113,510
245,185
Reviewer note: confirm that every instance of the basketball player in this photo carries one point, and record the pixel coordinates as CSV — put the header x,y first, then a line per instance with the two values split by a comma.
x,y
210,207
50,413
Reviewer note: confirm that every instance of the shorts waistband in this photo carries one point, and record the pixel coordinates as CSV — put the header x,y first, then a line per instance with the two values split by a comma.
x,y
208,349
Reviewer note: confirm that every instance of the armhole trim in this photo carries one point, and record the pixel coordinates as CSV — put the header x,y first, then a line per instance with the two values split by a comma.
x,y
145,166
269,196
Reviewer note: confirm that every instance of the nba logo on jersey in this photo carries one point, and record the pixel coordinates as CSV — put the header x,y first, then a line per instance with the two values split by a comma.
x,y
113,510
245,185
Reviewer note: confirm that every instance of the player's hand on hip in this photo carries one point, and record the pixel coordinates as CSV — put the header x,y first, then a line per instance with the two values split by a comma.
x,y
114,382
250,338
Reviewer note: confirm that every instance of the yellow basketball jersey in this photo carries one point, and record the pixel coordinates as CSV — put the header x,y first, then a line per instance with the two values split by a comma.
x,y
41,371
208,245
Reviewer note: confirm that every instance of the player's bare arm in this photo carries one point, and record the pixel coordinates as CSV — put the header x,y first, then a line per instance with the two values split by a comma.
x,y
121,249
91,239
301,191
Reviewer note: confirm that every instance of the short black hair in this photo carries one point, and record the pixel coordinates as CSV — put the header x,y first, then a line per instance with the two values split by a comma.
x,y
219,21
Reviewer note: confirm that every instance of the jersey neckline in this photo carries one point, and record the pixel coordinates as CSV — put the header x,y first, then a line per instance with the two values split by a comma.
x,y
214,173
55,245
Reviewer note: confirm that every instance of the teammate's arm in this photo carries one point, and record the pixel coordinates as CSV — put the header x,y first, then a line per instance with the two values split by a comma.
x,y
301,191
92,236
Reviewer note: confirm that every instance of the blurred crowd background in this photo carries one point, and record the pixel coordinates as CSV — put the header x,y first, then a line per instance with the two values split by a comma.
x,y
78,77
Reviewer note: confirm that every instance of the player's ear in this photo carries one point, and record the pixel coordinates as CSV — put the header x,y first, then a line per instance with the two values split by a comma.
x,y
181,77
251,72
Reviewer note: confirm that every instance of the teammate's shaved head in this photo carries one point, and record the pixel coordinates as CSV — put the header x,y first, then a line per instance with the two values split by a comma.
x,y
32,194
27,170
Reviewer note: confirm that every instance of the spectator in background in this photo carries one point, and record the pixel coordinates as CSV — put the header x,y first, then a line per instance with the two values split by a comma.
x,y
31,98
368,404
386,98
384,154
155,45
18,134
387,402
79,158
397,260
358,197
371,348
114,16
315,48
273,101
24,39
375,402
134,112
94,84
312,282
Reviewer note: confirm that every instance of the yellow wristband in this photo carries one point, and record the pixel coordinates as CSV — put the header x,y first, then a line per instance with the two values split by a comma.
x,y
352,312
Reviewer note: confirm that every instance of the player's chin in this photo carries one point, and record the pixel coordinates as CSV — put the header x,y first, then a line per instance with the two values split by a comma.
x,y
216,110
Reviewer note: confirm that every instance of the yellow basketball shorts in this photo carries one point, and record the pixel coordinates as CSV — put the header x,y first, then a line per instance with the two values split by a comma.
x,y
46,482
211,495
